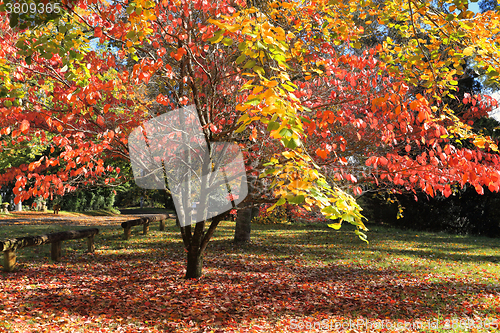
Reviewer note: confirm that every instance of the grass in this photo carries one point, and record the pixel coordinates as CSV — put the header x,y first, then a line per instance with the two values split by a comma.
x,y
289,278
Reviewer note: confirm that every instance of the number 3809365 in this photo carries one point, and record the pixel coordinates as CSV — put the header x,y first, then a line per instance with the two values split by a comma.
x,y
33,8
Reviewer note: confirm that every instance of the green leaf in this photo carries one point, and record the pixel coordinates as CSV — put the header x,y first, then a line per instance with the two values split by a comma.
x,y
62,28
241,128
293,143
21,44
249,64
253,101
281,201
242,46
216,36
240,59
268,172
131,8
331,211
273,126
131,34
227,41
305,120
286,132
259,70
14,20
348,217
361,236
297,200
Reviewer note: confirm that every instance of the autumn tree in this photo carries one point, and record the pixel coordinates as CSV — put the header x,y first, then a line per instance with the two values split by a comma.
x,y
289,77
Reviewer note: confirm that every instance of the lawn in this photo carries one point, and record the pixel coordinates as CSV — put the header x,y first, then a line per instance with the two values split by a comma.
x,y
291,278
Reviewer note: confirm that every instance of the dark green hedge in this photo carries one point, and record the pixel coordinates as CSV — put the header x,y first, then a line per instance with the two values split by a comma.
x,y
466,212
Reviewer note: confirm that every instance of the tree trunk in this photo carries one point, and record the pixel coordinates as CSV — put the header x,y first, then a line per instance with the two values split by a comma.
x,y
255,212
243,225
196,243
194,264
244,216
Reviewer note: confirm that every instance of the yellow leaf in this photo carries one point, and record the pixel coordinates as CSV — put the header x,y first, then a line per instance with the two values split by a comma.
x,y
468,51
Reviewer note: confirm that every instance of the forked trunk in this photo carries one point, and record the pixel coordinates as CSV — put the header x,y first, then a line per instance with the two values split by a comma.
x,y
196,243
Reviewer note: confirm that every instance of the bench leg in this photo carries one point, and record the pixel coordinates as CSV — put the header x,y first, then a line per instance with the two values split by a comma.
x,y
145,229
9,260
90,244
126,233
162,225
55,252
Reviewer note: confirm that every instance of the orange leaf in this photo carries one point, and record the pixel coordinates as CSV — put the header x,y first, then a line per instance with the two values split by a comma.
x,y
25,125
179,54
321,153
253,136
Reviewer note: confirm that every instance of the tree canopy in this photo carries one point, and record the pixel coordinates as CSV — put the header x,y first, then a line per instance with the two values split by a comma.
x,y
327,109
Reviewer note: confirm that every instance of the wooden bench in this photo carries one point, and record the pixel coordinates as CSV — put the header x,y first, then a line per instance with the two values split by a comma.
x,y
9,246
144,221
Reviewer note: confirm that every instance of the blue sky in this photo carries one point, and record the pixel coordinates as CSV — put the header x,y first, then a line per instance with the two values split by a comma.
x,y
474,6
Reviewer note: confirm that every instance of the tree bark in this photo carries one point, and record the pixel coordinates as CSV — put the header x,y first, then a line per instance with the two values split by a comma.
x,y
195,254
196,244
194,264
244,217
243,225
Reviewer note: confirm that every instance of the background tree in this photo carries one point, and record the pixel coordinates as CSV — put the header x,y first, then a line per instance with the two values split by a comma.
x,y
486,5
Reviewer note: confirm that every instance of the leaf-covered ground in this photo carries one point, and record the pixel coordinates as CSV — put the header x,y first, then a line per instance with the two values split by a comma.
x,y
290,279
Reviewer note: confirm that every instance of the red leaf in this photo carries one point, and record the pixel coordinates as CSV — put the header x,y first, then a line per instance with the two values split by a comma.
x,y
161,52
100,121
98,32
179,54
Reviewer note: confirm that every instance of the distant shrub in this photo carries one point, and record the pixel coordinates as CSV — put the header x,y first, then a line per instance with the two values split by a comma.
x,y
85,200
466,212
277,216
